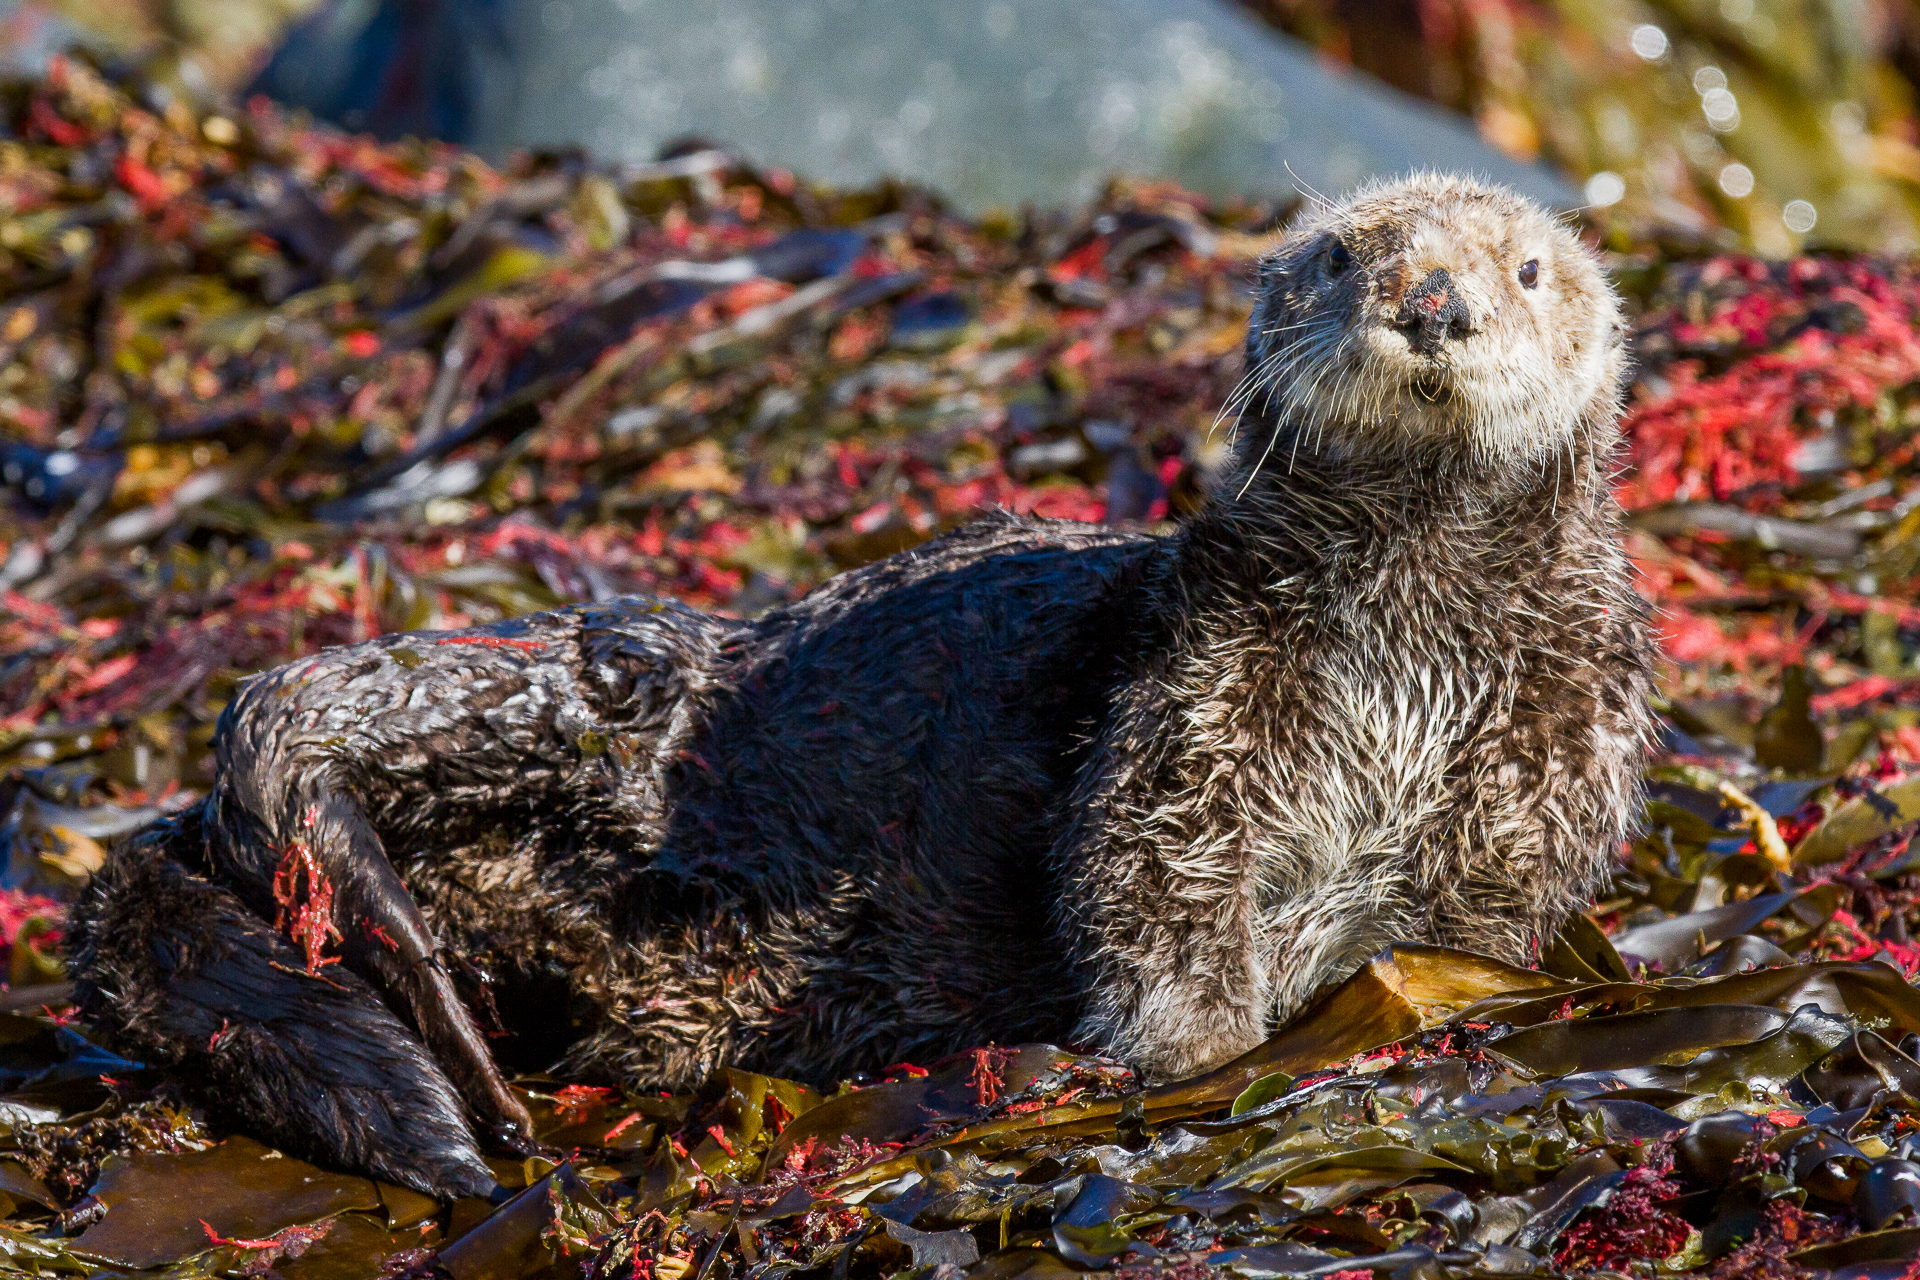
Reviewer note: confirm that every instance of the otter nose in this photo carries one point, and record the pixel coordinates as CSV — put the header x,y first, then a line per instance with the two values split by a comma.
x,y
1433,311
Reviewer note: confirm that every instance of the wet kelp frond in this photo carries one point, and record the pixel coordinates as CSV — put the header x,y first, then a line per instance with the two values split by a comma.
x,y
265,388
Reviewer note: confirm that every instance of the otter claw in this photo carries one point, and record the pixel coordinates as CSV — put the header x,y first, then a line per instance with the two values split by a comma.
x,y
522,1143
450,1032
406,963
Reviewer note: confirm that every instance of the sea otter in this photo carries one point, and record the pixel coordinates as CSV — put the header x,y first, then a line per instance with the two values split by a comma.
x,y
1032,780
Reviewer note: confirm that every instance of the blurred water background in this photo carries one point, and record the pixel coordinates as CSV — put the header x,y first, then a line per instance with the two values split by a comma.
x,y
987,101
1769,123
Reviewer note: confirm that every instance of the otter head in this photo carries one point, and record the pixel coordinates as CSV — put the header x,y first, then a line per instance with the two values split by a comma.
x,y
1432,313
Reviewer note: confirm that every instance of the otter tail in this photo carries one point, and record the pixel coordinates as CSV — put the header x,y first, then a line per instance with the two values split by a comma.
x,y
174,969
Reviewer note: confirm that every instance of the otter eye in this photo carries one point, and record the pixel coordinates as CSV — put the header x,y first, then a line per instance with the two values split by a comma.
x,y
1338,259
1530,273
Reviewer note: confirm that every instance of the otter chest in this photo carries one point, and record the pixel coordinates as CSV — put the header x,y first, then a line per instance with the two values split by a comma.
x,y
1384,728
1372,727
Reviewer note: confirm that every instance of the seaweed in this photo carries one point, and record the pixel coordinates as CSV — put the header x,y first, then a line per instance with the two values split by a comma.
x,y
265,387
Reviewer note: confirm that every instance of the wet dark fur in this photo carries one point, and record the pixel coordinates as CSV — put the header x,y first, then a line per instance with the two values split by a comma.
x,y
1033,780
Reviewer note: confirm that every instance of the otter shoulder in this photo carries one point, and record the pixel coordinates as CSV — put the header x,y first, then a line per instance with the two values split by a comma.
x,y
1062,562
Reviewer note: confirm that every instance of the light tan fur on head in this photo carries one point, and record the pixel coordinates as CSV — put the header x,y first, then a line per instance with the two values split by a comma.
x,y
1338,358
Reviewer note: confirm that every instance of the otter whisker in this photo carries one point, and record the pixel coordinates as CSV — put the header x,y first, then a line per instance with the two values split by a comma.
x,y
1322,414
1242,392
1243,387
1272,436
1293,455
1304,189
1276,369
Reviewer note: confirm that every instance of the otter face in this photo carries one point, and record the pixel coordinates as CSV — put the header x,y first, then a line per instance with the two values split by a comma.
x,y
1434,311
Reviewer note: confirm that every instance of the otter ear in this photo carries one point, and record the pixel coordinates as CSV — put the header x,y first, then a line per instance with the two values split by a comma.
x,y
1617,333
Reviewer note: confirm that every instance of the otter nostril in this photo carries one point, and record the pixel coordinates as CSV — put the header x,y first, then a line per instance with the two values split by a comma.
x,y
1433,311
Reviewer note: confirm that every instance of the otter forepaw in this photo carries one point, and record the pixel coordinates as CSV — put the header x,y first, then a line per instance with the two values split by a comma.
x,y
1177,1041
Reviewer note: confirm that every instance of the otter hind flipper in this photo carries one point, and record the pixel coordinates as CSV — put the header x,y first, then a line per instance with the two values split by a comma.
x,y
176,970
211,939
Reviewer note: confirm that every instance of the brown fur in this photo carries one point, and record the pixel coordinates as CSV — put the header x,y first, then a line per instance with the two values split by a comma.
x,y
1406,690
1033,780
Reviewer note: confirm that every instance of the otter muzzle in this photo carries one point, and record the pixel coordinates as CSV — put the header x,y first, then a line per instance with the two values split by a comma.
x,y
1432,312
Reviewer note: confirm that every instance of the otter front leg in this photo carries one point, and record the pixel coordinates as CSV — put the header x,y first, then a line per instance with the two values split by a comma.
x,y
1168,948
1548,794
